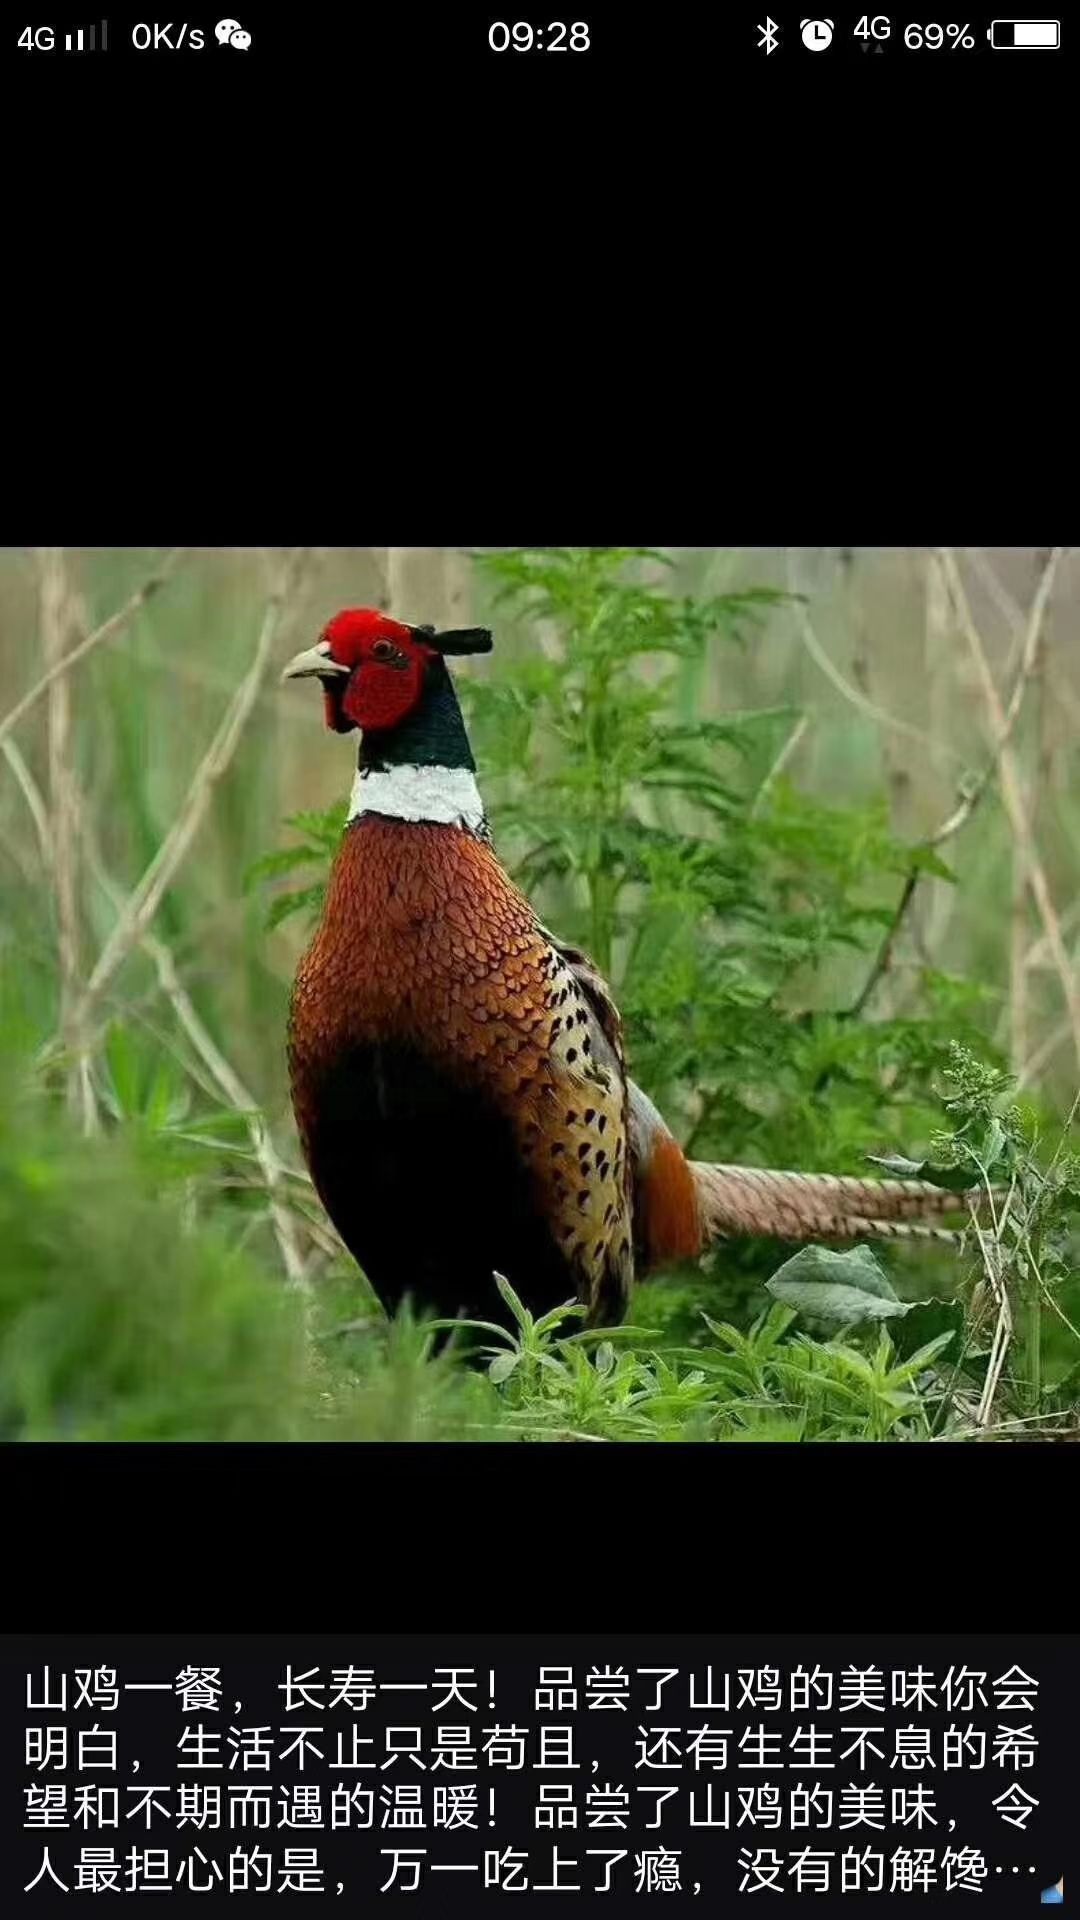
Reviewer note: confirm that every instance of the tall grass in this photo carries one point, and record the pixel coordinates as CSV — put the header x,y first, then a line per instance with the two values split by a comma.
x,y
179,1239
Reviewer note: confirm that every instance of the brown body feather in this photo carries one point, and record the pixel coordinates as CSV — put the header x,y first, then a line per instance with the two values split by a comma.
x,y
427,948
460,1089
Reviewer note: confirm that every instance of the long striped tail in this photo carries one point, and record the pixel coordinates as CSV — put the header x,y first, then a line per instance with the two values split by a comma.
x,y
736,1201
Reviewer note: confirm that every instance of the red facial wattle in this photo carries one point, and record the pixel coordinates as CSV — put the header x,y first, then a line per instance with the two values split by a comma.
x,y
388,664
381,694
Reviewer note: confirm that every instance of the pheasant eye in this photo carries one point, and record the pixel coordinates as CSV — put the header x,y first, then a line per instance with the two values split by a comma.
x,y
382,650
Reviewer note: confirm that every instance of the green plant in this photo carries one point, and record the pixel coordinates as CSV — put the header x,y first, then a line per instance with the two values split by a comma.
x,y
754,1385
320,834
1023,1240
123,1315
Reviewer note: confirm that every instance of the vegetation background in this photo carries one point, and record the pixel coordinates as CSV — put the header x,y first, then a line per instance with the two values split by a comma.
x,y
814,810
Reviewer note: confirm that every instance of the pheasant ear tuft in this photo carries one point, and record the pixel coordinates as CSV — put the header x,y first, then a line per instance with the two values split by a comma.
x,y
460,640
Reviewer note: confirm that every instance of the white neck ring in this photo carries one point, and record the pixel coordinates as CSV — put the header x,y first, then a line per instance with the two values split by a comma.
x,y
445,796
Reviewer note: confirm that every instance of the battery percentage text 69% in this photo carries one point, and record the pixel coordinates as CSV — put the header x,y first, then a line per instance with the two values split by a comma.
x,y
932,37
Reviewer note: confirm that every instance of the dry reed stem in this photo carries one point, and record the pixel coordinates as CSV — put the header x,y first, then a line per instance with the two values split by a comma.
x,y
1008,776
32,794
1018,973
56,620
425,583
785,755
852,694
1003,1328
106,631
1038,953
142,903
458,586
897,774
969,800
1029,657
1033,1066
240,1099
223,1076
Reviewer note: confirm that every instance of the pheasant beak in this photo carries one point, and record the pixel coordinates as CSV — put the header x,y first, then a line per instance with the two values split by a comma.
x,y
315,663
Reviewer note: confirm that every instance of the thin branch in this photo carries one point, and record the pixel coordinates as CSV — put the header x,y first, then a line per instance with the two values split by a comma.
x,y
1011,793
1032,1420
141,905
883,958
1043,1054
974,790
786,753
1051,1302
1063,1135
1009,608
1003,1329
20,858
1009,716
33,796
1038,952
852,694
106,631
1018,975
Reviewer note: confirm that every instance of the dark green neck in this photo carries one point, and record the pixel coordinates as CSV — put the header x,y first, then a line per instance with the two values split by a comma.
x,y
433,735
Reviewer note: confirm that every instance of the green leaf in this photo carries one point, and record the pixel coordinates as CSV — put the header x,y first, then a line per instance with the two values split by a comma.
x,y
624,1332
502,1367
925,860
518,1309
471,1326
271,865
324,827
845,1287
762,1424
122,1056
993,1142
570,1310
954,1179
927,1321
309,899
917,1362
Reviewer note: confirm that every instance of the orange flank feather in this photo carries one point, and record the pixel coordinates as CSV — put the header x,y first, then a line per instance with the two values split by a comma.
x,y
668,1202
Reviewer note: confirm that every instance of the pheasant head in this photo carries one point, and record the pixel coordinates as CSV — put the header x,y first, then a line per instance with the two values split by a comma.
x,y
377,673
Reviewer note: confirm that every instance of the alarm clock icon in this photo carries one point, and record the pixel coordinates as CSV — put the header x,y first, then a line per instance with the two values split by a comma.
x,y
816,34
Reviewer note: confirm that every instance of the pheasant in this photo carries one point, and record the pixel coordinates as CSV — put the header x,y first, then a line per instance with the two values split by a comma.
x,y
458,1074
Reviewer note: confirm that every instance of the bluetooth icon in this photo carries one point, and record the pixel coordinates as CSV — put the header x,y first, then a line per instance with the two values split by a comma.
x,y
768,35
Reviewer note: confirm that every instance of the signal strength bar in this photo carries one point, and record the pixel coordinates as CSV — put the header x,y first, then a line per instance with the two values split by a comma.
x,y
85,39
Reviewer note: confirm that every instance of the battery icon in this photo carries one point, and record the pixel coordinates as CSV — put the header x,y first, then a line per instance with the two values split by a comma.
x,y
1016,36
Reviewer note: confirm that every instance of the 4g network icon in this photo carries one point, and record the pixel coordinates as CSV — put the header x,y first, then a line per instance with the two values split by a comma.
x,y
160,37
